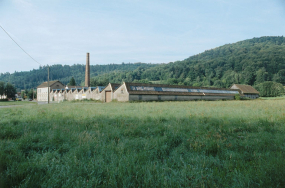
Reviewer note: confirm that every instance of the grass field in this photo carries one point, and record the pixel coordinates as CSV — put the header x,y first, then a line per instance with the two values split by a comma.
x,y
156,144
10,103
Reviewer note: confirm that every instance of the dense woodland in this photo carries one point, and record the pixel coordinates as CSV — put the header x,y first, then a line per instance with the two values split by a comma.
x,y
252,62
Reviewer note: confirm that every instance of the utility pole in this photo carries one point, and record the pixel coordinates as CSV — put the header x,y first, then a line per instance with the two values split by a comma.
x,y
48,84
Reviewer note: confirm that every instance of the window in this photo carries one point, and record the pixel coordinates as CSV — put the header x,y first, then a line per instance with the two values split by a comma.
x,y
122,91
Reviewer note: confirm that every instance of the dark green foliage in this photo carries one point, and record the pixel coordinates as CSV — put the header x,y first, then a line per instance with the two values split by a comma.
x,y
270,89
10,90
72,82
237,97
2,88
32,93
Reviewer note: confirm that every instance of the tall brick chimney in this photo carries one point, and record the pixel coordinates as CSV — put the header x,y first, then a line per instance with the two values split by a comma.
x,y
87,71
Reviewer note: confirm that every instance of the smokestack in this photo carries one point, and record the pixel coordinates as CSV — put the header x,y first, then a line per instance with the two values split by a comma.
x,y
87,71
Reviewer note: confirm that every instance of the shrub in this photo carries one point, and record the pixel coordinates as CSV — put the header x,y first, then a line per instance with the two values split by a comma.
x,y
270,89
237,97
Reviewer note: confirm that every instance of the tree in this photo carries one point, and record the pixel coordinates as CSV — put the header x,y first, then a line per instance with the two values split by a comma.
x,y
270,89
10,90
261,76
72,82
2,88
30,93
23,95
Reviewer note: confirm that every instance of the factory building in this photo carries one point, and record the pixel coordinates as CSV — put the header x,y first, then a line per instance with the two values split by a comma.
x,y
149,92
159,92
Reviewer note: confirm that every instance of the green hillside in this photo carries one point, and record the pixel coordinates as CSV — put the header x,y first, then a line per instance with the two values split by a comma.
x,y
250,62
33,78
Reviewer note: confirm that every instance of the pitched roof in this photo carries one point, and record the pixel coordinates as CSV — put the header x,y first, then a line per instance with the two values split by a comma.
x,y
100,88
115,86
246,89
162,89
45,84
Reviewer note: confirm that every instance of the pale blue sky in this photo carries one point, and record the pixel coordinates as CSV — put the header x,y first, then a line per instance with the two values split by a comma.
x,y
116,31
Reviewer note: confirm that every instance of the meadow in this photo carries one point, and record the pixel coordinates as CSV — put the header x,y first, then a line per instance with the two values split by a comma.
x,y
155,144
11,103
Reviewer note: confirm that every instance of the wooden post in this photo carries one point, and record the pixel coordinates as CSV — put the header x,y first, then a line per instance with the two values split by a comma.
x,y
48,84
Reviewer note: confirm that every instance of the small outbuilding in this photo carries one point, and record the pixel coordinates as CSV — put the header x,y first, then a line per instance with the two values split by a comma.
x,y
43,89
246,90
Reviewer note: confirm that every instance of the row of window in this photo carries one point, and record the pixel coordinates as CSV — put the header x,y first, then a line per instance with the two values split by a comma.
x,y
166,89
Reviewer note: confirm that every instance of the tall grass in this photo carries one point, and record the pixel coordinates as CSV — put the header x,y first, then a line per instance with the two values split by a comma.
x,y
169,144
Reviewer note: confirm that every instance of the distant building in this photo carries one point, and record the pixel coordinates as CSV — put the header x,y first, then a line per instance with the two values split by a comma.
x,y
246,90
43,89
3,96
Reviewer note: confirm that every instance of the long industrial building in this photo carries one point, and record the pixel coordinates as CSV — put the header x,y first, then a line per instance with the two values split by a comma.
x,y
139,92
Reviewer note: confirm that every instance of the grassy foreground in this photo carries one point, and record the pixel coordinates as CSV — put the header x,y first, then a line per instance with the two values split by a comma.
x,y
10,103
164,144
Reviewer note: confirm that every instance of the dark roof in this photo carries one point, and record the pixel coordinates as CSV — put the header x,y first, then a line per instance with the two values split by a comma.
x,y
162,89
69,87
45,84
100,88
115,86
246,89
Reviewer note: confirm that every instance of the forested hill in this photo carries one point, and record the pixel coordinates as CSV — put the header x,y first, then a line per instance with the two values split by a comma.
x,y
250,62
33,78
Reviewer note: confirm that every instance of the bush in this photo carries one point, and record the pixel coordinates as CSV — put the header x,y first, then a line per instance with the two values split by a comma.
x,y
237,97
270,89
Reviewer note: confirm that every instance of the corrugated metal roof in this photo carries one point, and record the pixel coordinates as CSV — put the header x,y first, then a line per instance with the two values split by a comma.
x,y
246,89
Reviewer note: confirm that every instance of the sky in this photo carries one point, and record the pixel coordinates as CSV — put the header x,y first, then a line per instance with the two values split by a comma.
x,y
116,31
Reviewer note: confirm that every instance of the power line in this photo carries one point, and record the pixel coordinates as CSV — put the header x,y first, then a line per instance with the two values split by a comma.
x,y
19,45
